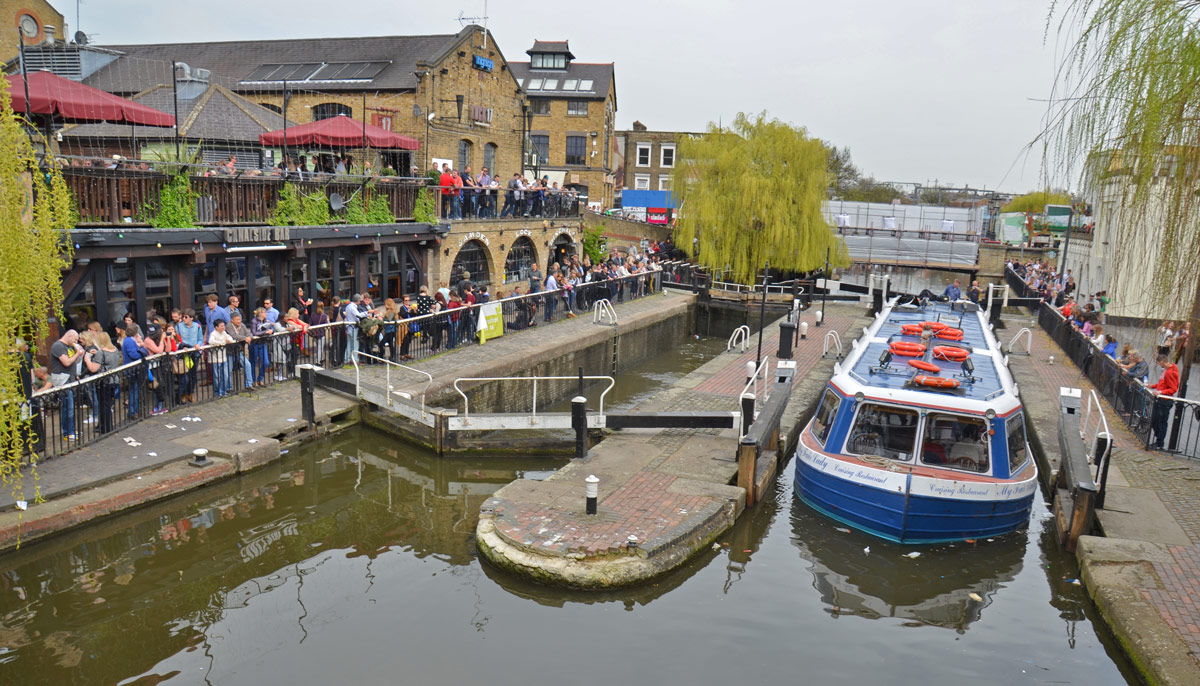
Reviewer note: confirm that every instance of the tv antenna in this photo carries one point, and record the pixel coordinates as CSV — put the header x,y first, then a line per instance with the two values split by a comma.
x,y
463,20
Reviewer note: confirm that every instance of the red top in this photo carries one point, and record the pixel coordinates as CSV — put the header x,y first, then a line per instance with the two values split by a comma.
x,y
447,183
1169,383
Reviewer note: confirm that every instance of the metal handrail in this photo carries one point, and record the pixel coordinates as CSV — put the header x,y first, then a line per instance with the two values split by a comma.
x,y
1028,341
761,371
1101,422
388,374
837,340
739,335
466,401
603,309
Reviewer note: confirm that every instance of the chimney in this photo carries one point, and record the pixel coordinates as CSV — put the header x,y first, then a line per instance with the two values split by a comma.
x,y
639,126
48,30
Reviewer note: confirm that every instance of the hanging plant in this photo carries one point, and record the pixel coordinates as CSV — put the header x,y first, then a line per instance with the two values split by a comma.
x,y
176,208
378,209
594,242
35,216
424,211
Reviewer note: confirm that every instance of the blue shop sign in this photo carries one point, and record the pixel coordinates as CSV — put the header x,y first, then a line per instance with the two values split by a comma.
x,y
484,63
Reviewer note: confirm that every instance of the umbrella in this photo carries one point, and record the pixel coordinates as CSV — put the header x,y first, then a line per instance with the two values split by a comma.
x,y
339,132
68,101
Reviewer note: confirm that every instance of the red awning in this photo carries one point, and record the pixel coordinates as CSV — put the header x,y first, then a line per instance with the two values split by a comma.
x,y
339,132
68,101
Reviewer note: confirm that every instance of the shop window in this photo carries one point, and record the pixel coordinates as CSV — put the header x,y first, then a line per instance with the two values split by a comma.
x,y
158,288
1017,454
345,265
204,281
576,149
81,308
324,275
519,261
884,431
375,277
264,282
826,413
955,441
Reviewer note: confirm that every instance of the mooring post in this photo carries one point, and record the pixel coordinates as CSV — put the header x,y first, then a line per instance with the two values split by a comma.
x,y
747,459
1103,451
581,381
592,490
308,377
787,330
579,423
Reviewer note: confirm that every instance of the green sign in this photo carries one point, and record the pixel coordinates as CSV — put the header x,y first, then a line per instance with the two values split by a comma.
x,y
491,321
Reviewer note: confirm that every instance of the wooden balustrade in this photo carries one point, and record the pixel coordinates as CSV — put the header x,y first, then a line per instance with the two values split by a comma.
x,y
111,197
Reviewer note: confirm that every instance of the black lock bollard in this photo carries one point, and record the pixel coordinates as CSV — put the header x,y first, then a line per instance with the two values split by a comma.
x,y
787,333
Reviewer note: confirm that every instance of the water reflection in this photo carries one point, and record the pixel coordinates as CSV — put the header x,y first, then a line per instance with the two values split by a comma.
x,y
946,585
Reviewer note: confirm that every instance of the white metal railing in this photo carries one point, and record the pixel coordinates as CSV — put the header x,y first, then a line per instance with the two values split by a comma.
x,y
740,335
751,387
388,376
1028,341
837,341
1091,438
603,309
533,412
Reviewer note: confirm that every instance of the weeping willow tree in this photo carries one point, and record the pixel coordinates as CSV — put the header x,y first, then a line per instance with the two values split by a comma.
x,y
751,195
35,213
1035,202
1125,119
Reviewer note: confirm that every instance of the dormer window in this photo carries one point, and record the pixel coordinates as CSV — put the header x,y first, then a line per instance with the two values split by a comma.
x,y
542,60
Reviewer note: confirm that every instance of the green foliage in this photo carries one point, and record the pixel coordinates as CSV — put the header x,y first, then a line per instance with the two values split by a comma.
x,y
593,242
379,211
356,212
755,195
176,207
296,209
1035,202
434,176
1124,117
35,215
869,190
424,211
287,208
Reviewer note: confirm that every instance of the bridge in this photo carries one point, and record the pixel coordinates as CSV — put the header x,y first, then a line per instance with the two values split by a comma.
x,y
904,248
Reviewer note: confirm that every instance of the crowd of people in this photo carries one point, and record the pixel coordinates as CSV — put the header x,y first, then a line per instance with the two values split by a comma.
x,y
1088,317
466,196
225,347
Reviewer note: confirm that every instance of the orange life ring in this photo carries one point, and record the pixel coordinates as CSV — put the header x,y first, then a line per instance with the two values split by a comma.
x,y
950,334
945,352
936,326
907,348
911,329
935,381
927,366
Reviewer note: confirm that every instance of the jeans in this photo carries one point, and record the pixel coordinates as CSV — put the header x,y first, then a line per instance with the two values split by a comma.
x,y
510,208
242,359
1158,420
106,395
258,353
455,207
220,373
351,343
551,302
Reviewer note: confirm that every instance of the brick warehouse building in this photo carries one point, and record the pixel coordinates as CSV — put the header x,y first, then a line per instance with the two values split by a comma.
x,y
573,111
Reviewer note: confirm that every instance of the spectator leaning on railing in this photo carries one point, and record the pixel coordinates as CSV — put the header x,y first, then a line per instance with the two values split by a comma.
x,y
1168,386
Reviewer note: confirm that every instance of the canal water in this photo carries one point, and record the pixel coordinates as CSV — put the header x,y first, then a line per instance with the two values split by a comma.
x,y
352,561
906,279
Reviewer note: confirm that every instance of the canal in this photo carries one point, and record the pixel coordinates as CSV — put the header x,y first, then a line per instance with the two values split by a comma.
x,y
352,561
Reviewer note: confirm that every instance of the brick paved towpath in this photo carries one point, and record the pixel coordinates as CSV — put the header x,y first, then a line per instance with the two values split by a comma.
x,y
1144,574
669,487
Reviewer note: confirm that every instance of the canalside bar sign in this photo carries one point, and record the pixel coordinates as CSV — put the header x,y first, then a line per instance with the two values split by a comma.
x,y
258,234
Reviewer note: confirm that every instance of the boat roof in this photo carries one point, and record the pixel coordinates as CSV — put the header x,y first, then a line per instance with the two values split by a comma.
x,y
991,387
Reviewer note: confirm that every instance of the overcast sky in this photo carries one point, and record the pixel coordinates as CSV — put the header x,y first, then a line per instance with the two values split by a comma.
x,y
920,90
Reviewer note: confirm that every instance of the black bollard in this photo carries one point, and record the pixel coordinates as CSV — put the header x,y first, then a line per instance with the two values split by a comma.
x,y
579,423
787,331
308,377
747,412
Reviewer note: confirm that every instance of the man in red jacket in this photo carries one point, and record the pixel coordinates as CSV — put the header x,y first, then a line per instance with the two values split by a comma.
x,y
1167,385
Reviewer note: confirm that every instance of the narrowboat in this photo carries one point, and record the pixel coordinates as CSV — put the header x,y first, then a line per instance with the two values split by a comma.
x,y
919,436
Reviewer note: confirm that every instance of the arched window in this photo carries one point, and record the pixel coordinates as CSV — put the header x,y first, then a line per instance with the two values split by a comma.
x,y
464,154
472,258
330,109
274,108
520,260
560,250
489,157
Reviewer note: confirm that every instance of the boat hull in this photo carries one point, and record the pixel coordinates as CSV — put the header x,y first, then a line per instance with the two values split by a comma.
x,y
908,508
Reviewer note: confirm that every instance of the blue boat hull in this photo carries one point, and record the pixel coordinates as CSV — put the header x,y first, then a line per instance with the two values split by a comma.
x,y
906,517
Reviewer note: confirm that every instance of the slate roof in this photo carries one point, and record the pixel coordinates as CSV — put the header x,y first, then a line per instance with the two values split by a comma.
x,y
551,46
601,76
217,114
144,66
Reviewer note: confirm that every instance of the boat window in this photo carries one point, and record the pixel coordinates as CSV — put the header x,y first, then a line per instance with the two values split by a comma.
x,y
955,441
825,414
885,431
1016,442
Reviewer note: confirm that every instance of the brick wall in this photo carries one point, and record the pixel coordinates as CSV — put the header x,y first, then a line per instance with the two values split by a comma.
x,y
558,125
655,140
10,13
497,238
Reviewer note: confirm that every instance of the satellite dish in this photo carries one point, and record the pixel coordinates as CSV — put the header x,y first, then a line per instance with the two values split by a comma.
x,y
81,38
336,203
416,110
